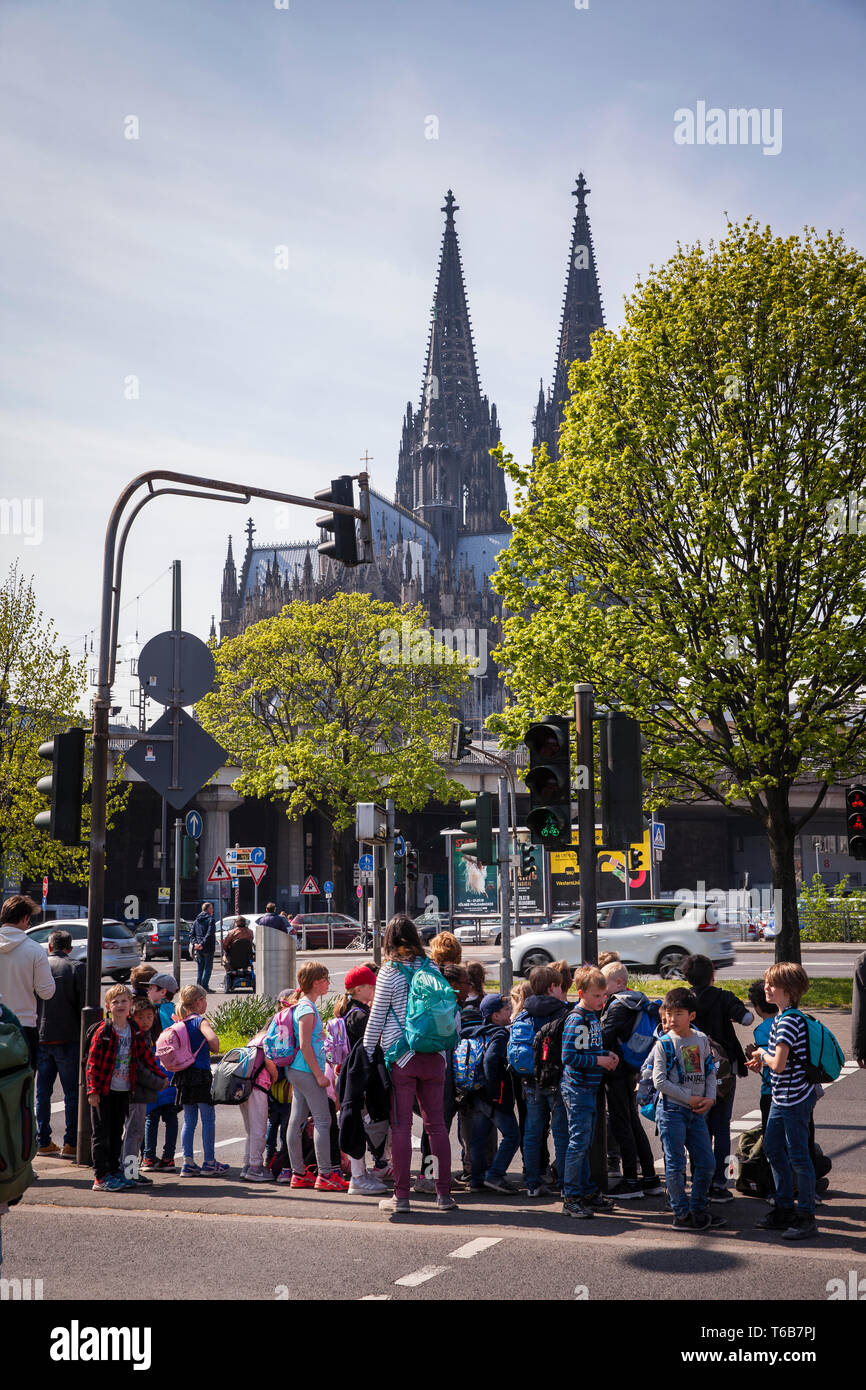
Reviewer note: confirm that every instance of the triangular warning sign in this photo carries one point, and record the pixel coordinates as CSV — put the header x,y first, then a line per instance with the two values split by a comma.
x,y
310,888
257,872
219,873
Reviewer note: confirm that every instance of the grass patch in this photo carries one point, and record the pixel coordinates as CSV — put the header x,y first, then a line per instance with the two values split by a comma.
x,y
824,992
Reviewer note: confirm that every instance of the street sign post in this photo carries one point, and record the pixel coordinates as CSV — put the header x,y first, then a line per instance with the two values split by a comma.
x,y
193,824
198,757
658,835
399,847
219,873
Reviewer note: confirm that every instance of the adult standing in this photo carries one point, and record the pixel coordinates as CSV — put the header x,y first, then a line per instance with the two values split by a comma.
x,y
204,945
413,1074
277,920
858,1012
24,969
59,1045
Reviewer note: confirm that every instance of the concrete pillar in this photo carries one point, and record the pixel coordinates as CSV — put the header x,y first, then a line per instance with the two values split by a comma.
x,y
215,803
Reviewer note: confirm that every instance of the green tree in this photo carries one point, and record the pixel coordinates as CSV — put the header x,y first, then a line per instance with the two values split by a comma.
x,y
40,693
695,551
319,714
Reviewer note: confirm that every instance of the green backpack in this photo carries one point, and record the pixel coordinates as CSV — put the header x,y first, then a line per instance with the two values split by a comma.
x,y
17,1125
431,1014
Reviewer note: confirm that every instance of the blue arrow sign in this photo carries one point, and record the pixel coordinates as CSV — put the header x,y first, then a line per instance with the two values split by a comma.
x,y
365,863
257,855
658,835
399,847
194,824
328,889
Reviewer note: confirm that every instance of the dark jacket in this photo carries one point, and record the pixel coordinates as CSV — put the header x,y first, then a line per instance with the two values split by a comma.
x,y
498,1088
277,922
858,1010
355,1020
543,1008
60,1016
717,1009
618,1018
204,932
363,1084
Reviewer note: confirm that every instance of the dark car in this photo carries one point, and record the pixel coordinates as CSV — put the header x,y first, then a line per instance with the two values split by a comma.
x,y
156,939
429,924
320,930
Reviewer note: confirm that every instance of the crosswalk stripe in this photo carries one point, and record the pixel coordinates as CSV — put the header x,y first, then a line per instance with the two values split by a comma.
x,y
474,1247
420,1276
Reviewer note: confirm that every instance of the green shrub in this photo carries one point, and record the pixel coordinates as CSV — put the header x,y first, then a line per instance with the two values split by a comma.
x,y
823,920
243,1017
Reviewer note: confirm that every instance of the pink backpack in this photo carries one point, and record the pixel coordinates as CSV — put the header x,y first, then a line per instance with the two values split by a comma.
x,y
173,1048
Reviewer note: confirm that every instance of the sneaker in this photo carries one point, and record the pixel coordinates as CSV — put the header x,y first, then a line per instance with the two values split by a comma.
x,y
395,1206
779,1219
536,1191
242,1175
116,1184
424,1185
150,1163
68,1151
190,1169
598,1202
384,1172
718,1193
366,1185
801,1228
446,1203
141,1181
212,1168
459,1182
500,1185
331,1182
307,1179
652,1187
167,1165
47,1150
684,1223
255,1175
706,1221
626,1190
98,1185
578,1211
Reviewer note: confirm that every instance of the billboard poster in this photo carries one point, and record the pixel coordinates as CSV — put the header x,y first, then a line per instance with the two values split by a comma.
x,y
565,879
475,884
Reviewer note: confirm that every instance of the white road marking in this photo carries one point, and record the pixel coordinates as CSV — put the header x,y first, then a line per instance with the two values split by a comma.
x,y
375,1298
465,1252
411,1281
224,1143
58,1105
751,1115
416,1142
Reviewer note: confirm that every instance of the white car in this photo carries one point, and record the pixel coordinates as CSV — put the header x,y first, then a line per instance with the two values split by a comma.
x,y
120,950
649,935
480,934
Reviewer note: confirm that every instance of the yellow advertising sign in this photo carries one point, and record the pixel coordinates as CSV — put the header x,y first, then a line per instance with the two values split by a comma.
x,y
609,861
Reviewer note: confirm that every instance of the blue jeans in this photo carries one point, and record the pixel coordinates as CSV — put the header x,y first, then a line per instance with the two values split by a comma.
x,y
786,1144
681,1129
52,1060
208,1131
151,1130
484,1117
540,1104
719,1126
204,966
581,1104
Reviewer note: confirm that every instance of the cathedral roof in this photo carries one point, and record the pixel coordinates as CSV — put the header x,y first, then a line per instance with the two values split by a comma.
x,y
480,552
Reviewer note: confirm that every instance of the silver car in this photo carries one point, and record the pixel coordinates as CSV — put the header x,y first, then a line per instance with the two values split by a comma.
x,y
119,946
649,935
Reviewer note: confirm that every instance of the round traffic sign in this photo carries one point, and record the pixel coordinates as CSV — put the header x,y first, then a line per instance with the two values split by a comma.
x,y
193,824
359,891
257,854
399,847
195,668
328,889
366,863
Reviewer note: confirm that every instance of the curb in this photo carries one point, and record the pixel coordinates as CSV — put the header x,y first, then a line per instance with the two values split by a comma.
x,y
846,947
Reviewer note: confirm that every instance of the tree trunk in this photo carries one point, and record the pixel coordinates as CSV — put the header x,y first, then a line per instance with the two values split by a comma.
x,y
338,869
780,833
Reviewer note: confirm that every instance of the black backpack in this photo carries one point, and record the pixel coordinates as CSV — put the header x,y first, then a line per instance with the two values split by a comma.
x,y
547,1050
755,1178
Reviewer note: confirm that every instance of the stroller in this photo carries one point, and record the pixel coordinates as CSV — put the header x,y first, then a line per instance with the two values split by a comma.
x,y
238,965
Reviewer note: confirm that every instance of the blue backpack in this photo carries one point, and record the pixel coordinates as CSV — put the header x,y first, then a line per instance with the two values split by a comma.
x,y
647,1095
642,1035
824,1056
469,1064
520,1054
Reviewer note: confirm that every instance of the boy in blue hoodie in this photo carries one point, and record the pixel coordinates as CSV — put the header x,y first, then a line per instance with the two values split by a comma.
x,y
585,1060
545,1004
493,1104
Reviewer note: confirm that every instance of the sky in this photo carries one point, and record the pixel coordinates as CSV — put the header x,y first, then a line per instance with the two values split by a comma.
x,y
221,223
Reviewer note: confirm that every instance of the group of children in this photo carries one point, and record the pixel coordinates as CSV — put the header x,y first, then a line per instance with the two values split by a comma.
x,y
525,1067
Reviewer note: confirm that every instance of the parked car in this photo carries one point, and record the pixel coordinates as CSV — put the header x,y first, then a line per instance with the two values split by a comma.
x,y
429,924
318,930
648,935
479,933
155,939
119,946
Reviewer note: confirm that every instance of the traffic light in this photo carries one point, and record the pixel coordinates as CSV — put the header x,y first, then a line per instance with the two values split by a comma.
x,y
411,862
480,807
344,546
549,782
855,799
190,857
64,785
460,739
528,860
621,782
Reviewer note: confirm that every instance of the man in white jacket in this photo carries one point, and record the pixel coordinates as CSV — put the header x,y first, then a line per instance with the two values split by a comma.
x,y
24,969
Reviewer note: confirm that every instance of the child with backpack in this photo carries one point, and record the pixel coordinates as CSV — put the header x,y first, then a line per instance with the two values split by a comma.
x,y
148,1083
161,989
254,1113
117,1050
585,1059
354,1009
481,1074
793,1084
628,1024
545,1005
684,1080
306,1070
193,1082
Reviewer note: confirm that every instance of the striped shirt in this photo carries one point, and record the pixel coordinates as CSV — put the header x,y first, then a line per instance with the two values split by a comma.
x,y
790,1086
388,1011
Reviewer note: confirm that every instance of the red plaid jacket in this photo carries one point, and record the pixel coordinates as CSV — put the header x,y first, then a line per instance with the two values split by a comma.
x,y
102,1054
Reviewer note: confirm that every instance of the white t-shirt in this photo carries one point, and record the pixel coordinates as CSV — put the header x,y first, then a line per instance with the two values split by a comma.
x,y
120,1075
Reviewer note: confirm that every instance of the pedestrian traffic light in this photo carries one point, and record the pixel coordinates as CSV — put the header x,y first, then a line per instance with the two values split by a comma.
x,y
411,862
549,782
855,799
64,785
460,740
480,808
621,782
190,857
528,860
344,546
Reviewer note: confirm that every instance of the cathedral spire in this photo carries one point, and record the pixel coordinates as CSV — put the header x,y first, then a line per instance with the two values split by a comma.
x,y
582,315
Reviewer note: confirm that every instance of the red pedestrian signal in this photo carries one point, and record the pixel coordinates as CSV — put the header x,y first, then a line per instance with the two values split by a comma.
x,y
855,799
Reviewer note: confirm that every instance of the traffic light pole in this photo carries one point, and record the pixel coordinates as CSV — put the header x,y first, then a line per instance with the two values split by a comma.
x,y
505,973
390,813
175,945
584,708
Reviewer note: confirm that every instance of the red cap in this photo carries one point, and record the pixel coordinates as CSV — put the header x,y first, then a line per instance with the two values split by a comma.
x,y
361,975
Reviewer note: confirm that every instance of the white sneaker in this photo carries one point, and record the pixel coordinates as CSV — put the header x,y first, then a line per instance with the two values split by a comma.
x,y
366,1186
424,1185
254,1175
